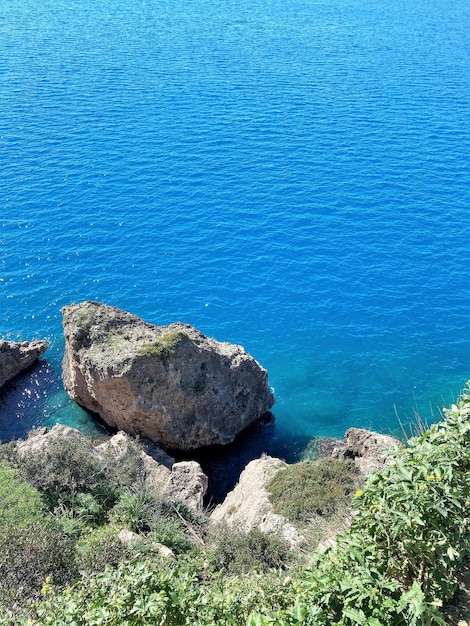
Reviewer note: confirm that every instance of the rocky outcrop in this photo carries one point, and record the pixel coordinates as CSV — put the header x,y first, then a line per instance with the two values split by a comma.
x,y
171,384
248,505
366,448
16,357
179,482
175,482
187,483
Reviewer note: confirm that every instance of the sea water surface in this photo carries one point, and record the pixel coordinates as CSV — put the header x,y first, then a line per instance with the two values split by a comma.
x,y
291,176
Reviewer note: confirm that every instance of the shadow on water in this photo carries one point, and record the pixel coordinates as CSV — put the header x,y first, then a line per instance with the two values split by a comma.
x,y
25,405
224,464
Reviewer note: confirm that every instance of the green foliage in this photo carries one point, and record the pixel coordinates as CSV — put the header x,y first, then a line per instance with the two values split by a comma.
x,y
140,511
164,346
99,548
236,552
78,485
161,594
136,509
20,504
28,556
312,488
395,566
397,563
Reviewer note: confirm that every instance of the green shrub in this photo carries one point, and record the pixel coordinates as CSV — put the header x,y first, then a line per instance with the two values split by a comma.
x,y
236,552
164,522
78,485
20,504
99,548
162,594
136,509
164,346
397,563
28,556
311,488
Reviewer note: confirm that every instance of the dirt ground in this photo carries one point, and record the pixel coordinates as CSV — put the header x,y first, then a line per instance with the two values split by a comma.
x,y
458,611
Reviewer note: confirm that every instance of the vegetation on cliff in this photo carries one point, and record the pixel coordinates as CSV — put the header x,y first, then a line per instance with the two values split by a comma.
x,y
396,565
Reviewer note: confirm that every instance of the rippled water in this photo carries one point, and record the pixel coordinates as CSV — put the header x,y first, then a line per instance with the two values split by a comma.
x,y
289,176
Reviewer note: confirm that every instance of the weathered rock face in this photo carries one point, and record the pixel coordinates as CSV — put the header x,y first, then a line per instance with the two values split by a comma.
x,y
366,448
248,505
171,384
16,357
177,482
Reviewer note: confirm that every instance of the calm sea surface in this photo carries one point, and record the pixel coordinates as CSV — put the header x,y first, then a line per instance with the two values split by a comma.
x,y
291,176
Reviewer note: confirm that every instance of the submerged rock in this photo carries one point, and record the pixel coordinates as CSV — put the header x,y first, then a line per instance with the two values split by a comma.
x,y
171,384
16,357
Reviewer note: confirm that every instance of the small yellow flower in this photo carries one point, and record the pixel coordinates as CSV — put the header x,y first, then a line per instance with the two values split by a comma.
x,y
45,587
359,493
422,487
430,477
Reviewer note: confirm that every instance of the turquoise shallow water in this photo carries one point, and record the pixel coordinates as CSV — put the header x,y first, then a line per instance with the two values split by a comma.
x,y
289,176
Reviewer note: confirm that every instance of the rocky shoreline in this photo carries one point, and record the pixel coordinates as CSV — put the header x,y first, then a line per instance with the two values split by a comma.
x,y
179,391
16,357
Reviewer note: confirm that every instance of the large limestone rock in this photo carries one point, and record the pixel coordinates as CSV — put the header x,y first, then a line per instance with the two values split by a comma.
x,y
171,384
16,357
248,505
368,449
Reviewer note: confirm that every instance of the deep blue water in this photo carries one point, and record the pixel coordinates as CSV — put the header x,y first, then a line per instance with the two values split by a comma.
x,y
287,175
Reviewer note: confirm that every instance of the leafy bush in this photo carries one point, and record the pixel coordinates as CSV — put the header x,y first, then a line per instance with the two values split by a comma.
x,y
136,509
236,552
20,504
312,488
162,594
397,563
28,556
77,484
140,511
100,548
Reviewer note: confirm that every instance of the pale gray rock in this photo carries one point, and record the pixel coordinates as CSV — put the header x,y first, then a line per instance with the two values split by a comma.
x,y
18,356
157,465
187,483
170,384
131,539
176,482
179,482
368,449
248,505
39,440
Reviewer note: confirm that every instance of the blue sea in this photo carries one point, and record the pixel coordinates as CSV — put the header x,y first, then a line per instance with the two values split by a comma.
x,y
291,176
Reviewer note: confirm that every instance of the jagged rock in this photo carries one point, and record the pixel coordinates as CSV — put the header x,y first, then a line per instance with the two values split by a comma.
x,y
178,482
171,384
248,505
16,357
187,483
156,463
38,440
366,448
181,482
